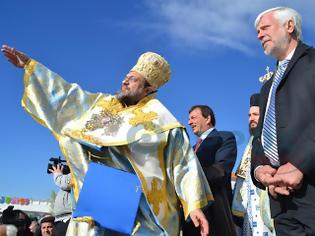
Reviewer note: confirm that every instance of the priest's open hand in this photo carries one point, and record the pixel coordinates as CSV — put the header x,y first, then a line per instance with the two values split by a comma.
x,y
17,58
200,220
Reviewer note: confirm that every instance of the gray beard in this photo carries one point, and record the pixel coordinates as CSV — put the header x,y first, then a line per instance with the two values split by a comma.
x,y
279,47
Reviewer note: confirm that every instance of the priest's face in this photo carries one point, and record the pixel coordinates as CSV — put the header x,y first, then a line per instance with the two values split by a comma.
x,y
133,88
198,122
253,117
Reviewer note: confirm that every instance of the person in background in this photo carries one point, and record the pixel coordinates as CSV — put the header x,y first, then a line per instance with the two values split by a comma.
x,y
63,202
34,227
3,230
217,154
47,226
18,218
8,230
283,154
250,202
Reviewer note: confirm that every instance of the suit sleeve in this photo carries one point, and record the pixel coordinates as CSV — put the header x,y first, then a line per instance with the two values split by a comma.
x,y
215,171
303,152
227,153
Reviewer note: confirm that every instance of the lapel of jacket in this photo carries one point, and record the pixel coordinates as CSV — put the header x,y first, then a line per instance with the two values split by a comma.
x,y
299,52
214,132
264,97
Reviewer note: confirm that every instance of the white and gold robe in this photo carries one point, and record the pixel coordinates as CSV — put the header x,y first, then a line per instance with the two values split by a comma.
x,y
145,139
250,202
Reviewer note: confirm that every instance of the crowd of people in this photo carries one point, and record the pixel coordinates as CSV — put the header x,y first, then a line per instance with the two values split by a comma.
x,y
17,222
185,190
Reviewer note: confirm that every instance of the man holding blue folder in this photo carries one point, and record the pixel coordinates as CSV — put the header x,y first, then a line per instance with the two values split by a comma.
x,y
112,140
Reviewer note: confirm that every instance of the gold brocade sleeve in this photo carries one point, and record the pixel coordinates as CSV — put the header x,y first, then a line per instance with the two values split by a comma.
x,y
190,183
52,101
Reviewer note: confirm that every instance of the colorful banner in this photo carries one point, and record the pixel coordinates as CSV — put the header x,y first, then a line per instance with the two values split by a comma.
x,y
14,200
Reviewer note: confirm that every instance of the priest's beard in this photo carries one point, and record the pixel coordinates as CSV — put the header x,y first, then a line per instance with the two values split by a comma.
x,y
252,131
129,99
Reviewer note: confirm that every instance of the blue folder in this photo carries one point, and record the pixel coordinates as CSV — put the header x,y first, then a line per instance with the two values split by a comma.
x,y
111,197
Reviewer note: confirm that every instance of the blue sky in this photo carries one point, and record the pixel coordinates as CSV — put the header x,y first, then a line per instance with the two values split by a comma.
x,y
211,46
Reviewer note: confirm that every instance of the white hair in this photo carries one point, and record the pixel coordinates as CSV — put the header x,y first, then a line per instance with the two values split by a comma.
x,y
283,15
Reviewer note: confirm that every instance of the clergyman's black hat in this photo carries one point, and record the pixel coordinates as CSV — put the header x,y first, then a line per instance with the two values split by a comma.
x,y
254,100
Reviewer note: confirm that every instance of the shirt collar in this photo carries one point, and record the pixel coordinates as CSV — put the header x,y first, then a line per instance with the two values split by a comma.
x,y
206,133
289,57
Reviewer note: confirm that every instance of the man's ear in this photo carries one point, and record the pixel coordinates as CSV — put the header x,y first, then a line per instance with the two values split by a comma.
x,y
209,121
290,26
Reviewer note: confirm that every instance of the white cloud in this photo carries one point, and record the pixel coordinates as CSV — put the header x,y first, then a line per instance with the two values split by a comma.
x,y
228,24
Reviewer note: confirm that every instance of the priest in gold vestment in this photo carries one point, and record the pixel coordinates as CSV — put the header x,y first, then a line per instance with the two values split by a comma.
x,y
130,131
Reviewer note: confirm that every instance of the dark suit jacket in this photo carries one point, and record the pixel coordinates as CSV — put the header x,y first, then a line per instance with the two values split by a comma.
x,y
227,153
295,120
217,155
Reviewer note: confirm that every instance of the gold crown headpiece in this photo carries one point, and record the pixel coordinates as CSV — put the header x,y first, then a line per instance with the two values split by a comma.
x,y
154,68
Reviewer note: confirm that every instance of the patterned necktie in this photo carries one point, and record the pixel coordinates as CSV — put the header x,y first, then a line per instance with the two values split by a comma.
x,y
199,141
269,131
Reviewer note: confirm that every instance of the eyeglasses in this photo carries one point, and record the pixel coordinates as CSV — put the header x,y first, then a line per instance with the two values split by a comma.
x,y
131,78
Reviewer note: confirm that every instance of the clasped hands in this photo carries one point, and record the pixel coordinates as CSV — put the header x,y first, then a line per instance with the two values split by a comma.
x,y
283,180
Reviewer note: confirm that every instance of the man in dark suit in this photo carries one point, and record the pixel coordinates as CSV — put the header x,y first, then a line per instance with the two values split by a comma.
x,y
216,152
283,155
